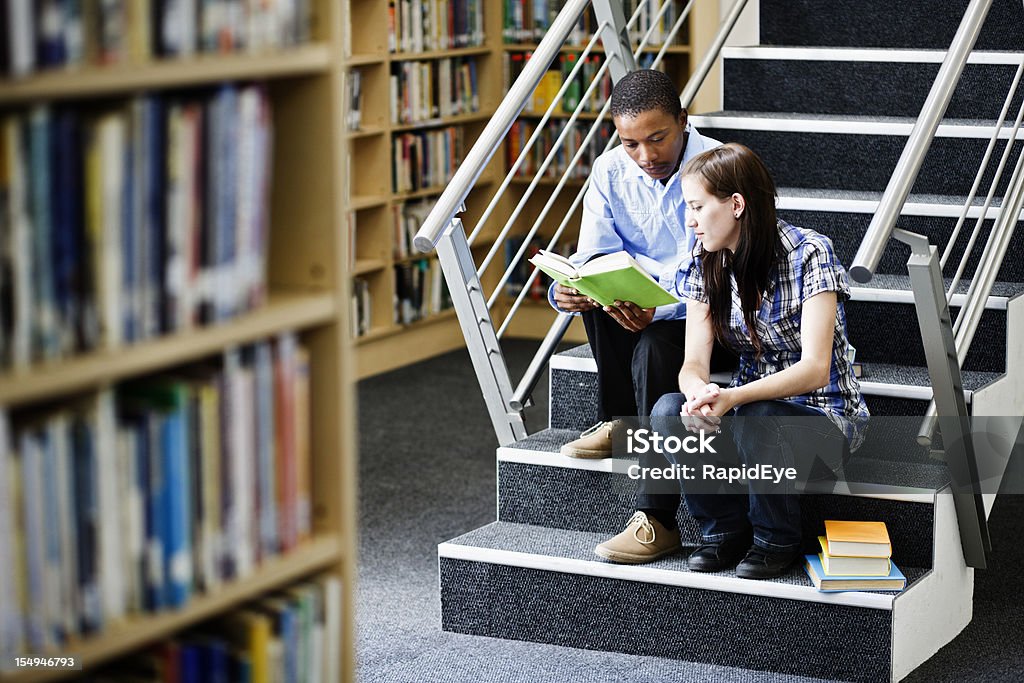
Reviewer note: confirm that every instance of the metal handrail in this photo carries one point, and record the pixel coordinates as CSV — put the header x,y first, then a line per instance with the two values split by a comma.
x,y
497,127
909,165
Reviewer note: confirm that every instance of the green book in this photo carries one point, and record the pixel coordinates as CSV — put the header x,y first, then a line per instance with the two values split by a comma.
x,y
606,279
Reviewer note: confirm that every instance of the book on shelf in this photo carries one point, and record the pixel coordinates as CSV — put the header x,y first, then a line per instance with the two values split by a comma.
x,y
572,96
430,25
561,154
606,279
354,116
513,64
43,35
893,581
522,276
852,566
423,91
420,291
362,308
283,636
134,499
425,159
857,539
133,222
407,219
529,20
546,93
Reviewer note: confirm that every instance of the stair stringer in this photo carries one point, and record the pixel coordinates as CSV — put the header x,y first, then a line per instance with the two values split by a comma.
x,y
998,409
935,610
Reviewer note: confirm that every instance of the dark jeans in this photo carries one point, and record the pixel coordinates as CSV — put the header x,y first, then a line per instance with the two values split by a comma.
x,y
635,369
779,433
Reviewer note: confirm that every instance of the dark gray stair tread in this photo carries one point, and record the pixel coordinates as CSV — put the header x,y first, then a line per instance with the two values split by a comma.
x,y
878,373
856,152
902,283
923,25
547,440
898,52
928,476
777,79
579,545
916,376
837,118
867,196
581,351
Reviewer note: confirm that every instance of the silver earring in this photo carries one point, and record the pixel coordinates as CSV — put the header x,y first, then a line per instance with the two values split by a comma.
x,y
737,215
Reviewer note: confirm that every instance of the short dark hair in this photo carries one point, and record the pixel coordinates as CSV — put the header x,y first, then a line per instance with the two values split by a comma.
x,y
644,90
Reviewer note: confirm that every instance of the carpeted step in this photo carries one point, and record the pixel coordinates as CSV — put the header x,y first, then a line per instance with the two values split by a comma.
x,y
889,389
856,152
537,485
885,332
925,24
529,583
845,216
789,79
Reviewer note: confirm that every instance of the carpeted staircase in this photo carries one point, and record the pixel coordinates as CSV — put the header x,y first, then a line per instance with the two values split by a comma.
x,y
830,122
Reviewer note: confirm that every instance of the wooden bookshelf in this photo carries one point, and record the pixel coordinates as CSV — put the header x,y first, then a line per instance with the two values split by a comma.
x,y
365,266
120,639
389,344
308,285
439,54
92,370
654,49
95,82
459,120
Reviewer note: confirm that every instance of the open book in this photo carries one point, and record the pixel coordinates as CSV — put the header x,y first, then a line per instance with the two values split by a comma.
x,y
606,279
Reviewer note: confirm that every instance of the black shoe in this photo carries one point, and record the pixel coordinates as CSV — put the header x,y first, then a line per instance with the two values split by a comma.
x,y
714,557
762,564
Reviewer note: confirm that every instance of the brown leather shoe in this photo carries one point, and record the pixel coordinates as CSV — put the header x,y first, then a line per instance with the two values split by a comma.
x,y
643,540
594,443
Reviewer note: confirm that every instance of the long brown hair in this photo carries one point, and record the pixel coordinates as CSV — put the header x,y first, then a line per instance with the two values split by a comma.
x,y
724,171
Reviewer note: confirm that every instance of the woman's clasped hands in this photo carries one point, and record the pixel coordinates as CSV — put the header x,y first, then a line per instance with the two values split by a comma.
x,y
704,409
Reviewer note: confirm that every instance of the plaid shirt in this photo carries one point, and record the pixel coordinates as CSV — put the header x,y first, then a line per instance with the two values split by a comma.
x,y
810,267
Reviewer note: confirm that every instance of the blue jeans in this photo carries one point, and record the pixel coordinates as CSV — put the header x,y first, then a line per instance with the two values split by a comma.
x,y
762,435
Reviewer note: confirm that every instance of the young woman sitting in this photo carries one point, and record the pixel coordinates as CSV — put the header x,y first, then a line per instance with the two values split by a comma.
x,y
774,294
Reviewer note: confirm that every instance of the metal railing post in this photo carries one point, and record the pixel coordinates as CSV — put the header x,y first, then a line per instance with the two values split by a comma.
x,y
615,37
948,391
478,330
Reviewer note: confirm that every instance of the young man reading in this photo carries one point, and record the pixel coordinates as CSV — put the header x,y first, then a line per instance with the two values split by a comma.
x,y
635,203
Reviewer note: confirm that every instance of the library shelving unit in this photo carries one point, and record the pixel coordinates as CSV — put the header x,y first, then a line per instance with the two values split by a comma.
x,y
308,284
375,200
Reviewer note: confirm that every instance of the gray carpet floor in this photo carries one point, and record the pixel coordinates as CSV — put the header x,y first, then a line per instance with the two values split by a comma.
x,y
427,474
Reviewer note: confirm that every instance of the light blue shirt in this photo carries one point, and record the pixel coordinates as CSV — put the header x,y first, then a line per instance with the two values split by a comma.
x,y
624,209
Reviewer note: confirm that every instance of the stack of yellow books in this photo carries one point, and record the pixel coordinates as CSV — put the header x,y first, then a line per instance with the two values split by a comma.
x,y
854,556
